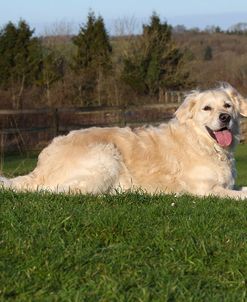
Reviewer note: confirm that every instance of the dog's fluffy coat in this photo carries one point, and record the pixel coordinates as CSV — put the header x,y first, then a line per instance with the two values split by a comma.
x,y
182,156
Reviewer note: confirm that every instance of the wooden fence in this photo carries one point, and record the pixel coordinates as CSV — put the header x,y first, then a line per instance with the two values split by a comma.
x,y
33,129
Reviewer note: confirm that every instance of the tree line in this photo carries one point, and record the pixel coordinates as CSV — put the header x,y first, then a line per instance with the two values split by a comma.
x,y
91,68
236,29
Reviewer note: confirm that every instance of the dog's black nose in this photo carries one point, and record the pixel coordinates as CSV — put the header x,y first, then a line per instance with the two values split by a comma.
x,y
225,118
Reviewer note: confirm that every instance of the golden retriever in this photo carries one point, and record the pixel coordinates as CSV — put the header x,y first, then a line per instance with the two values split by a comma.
x,y
192,154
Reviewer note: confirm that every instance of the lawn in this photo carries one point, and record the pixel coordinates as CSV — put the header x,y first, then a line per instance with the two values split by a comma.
x,y
128,247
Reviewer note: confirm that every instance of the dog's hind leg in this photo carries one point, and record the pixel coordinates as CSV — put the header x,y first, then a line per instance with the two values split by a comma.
x,y
20,183
98,171
5,182
94,169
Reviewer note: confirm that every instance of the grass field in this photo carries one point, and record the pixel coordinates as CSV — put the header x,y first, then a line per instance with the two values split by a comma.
x,y
128,247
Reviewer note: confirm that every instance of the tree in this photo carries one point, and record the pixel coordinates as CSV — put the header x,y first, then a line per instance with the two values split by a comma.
x,y
157,63
52,70
218,30
179,29
211,29
208,53
239,28
20,59
93,57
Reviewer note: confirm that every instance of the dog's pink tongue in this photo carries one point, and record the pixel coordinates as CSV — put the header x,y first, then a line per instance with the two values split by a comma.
x,y
224,137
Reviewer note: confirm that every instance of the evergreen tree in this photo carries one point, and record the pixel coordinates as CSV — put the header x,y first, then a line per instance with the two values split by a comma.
x,y
218,30
157,63
208,53
93,57
20,59
93,46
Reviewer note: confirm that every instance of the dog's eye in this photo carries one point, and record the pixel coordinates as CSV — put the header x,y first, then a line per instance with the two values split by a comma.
x,y
226,105
207,108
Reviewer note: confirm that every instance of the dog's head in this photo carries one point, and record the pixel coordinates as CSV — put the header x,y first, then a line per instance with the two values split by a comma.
x,y
216,112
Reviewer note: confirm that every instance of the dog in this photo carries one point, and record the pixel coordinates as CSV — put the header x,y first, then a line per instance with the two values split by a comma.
x,y
192,154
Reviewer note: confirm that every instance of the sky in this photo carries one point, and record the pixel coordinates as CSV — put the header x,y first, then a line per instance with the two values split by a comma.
x,y
43,15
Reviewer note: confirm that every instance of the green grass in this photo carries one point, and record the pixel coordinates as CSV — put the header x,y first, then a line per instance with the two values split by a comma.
x,y
241,161
128,247
15,165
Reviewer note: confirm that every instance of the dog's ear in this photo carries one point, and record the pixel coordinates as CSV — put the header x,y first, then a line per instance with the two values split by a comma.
x,y
243,107
239,101
187,109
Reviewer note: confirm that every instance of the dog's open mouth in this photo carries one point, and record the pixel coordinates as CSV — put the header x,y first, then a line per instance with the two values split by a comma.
x,y
222,136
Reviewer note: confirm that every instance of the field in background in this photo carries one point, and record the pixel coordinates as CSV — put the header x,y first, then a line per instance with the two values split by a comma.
x,y
228,60
127,247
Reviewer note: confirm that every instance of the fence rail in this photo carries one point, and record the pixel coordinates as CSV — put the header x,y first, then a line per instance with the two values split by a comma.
x,y
32,129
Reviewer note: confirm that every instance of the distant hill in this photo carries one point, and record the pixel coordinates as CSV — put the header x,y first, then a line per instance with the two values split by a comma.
x,y
229,58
